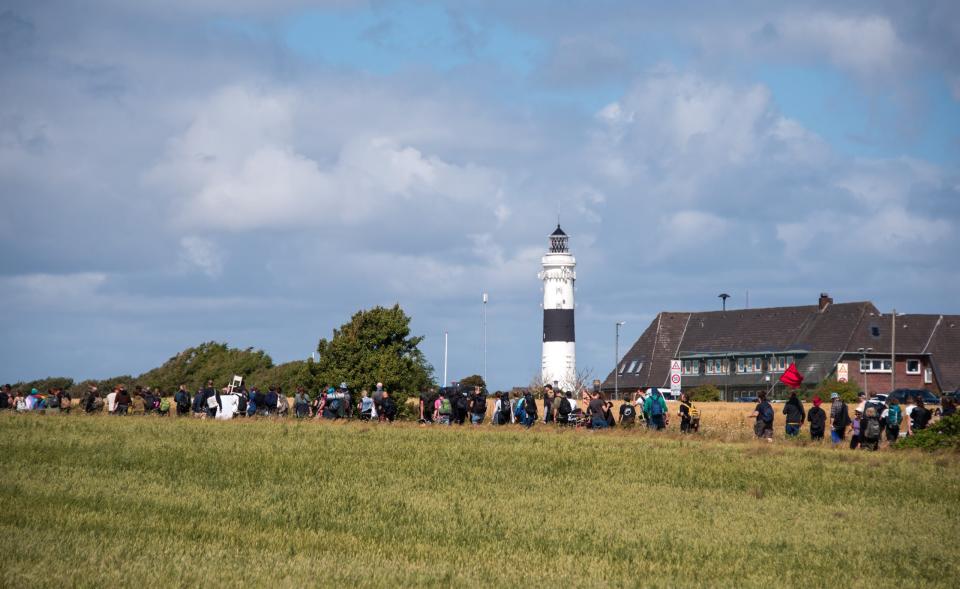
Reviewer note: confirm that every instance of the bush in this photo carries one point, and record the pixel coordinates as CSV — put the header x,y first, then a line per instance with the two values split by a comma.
x,y
943,435
848,391
704,393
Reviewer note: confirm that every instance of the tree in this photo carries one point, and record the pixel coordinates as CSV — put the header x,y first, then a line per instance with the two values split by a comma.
x,y
474,380
848,391
706,392
375,346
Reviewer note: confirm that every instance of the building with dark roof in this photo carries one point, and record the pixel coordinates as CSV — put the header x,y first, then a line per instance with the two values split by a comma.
x,y
743,352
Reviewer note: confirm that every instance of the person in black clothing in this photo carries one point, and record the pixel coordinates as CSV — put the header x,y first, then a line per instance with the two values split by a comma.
x,y
461,406
427,400
949,407
793,409
6,396
122,400
764,414
608,414
478,406
182,400
919,417
595,411
389,407
817,418
208,392
684,412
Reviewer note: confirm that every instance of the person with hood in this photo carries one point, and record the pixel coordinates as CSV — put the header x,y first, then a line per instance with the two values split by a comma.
x,y
839,418
301,403
655,409
793,409
817,418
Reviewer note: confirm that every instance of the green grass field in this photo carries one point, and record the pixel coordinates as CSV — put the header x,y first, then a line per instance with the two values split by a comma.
x,y
101,501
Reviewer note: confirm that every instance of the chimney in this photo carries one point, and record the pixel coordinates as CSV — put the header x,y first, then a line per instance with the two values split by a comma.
x,y
825,301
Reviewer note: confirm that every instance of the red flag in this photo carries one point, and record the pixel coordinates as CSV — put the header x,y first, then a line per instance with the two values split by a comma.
x,y
792,377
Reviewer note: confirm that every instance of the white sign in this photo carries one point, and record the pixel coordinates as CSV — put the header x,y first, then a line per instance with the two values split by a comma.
x,y
675,377
842,372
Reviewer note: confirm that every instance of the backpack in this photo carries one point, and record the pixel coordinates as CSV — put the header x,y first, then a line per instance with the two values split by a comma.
x,y
462,402
445,407
628,412
894,416
504,411
518,410
656,405
870,426
53,402
766,412
165,405
920,417
479,404
564,408
182,399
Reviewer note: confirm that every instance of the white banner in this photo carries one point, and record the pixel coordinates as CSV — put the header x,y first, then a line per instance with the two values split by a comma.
x,y
842,374
675,377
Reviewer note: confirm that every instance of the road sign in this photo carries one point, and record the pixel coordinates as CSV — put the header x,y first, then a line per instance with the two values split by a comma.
x,y
675,376
842,374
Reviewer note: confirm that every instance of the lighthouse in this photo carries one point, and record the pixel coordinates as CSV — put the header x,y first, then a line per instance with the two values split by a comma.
x,y
559,362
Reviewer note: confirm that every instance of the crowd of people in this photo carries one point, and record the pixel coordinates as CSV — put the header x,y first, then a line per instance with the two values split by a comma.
x,y
872,421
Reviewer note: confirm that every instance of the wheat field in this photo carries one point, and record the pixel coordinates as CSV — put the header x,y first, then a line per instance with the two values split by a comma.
x,y
121,501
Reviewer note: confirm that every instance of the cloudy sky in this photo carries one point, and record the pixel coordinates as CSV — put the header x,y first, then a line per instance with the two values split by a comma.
x,y
254,172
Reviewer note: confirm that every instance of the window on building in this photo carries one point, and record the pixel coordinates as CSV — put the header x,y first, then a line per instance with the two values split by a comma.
x,y
789,361
913,366
740,365
691,366
709,369
875,365
927,376
623,367
639,367
633,366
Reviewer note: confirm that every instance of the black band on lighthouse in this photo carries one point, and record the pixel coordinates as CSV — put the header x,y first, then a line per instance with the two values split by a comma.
x,y
558,325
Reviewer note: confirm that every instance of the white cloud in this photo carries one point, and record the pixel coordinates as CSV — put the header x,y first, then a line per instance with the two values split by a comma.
x,y
238,168
203,254
866,45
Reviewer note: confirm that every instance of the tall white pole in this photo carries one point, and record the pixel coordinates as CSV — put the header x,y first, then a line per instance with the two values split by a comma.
x,y
485,339
445,337
893,351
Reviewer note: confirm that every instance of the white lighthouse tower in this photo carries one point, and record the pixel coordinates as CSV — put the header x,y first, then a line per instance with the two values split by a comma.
x,y
559,363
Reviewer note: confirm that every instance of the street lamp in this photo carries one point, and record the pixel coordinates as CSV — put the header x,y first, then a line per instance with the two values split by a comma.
x,y
724,296
863,357
616,364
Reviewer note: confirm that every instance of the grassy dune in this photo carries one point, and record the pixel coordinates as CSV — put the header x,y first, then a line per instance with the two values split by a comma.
x,y
100,501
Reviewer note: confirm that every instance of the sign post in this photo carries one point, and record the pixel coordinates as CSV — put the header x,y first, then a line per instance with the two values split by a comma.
x,y
675,378
842,374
